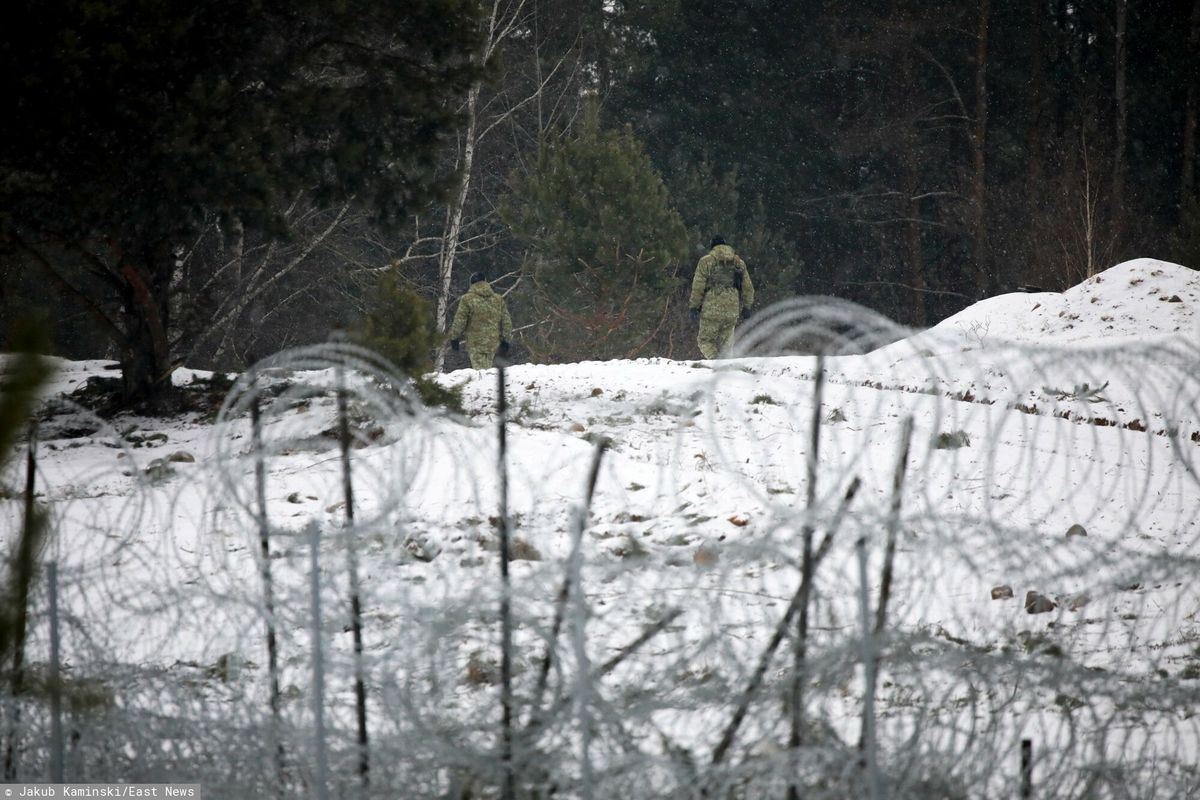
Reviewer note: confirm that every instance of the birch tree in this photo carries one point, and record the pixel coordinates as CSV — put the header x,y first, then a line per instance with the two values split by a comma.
x,y
504,18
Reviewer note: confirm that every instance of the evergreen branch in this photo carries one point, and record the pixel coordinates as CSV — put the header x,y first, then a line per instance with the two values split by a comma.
x,y
58,279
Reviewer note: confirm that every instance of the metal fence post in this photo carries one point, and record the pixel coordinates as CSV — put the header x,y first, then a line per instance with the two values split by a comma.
x,y
318,691
1026,768
56,727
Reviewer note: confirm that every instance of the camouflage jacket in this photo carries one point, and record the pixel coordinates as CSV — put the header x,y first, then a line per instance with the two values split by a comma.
x,y
482,318
721,276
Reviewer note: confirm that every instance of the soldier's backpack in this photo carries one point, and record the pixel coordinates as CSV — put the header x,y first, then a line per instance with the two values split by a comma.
x,y
725,274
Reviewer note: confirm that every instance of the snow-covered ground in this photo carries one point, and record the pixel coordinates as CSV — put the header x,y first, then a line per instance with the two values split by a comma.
x,y
1054,450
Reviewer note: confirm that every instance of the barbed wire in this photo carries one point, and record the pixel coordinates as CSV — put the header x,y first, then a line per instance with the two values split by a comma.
x,y
877,572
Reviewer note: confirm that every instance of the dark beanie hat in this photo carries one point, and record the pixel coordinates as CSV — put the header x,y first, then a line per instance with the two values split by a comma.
x,y
477,277
716,240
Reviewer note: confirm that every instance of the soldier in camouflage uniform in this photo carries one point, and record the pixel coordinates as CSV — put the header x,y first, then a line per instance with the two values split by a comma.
x,y
721,294
483,319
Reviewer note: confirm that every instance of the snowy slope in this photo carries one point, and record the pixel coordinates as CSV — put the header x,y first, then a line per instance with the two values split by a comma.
x,y
1140,300
1031,414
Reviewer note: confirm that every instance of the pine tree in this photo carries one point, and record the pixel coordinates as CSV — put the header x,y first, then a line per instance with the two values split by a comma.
x,y
398,325
130,119
605,245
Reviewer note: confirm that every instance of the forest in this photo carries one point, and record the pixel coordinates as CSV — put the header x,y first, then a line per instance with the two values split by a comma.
x,y
207,186
267,535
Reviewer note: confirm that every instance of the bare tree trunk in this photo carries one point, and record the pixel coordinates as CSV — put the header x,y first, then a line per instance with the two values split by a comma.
x,y
916,264
913,255
454,218
1034,265
910,178
979,142
1120,96
1087,238
237,247
146,358
1188,180
501,23
1034,135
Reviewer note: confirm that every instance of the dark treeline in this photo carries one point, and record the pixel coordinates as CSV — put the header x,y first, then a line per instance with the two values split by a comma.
x,y
208,188
918,155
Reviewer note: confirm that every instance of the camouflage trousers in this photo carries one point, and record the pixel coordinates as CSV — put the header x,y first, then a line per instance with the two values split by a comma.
x,y
481,357
716,332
